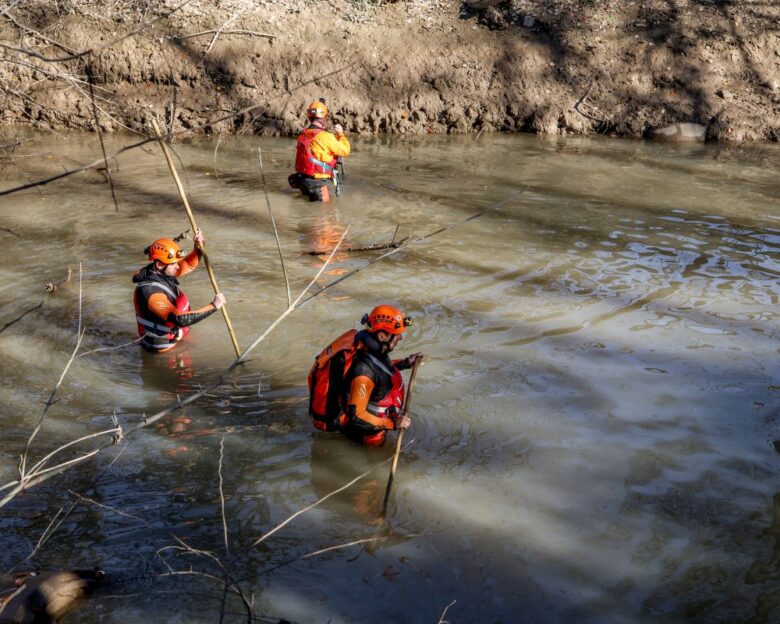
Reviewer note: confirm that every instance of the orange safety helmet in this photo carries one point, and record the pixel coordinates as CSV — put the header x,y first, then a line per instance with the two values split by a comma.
x,y
165,250
317,110
386,318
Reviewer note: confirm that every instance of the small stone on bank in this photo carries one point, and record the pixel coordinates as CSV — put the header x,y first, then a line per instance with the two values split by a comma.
x,y
724,94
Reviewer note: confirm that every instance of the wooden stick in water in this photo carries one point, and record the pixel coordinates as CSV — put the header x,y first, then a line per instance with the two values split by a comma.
x,y
407,403
191,217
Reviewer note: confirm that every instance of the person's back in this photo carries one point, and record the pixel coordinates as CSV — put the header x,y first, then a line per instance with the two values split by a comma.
x,y
317,154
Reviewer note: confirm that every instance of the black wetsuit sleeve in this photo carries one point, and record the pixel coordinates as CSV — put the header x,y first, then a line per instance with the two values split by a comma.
x,y
361,367
190,318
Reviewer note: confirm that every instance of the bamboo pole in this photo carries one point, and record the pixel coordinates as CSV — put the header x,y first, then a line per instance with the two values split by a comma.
x,y
191,217
407,403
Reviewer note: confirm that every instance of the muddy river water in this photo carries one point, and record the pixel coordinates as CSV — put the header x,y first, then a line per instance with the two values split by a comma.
x,y
595,431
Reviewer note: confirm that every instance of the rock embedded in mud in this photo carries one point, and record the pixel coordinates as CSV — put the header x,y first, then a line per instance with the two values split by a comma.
x,y
678,132
724,94
771,85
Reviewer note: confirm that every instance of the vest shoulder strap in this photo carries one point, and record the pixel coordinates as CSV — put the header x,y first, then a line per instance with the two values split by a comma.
x,y
379,363
159,286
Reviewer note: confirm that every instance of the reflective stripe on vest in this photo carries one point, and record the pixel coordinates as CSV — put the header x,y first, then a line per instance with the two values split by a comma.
x,y
394,398
305,163
324,165
161,330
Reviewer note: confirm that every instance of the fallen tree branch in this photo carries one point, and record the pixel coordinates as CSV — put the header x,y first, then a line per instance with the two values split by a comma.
x,y
377,247
21,316
71,172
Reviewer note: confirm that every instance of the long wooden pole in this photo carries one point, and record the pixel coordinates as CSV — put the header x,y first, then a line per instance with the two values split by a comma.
x,y
194,225
404,412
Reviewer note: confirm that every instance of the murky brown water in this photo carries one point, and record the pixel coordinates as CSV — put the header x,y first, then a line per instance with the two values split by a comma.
x,y
595,430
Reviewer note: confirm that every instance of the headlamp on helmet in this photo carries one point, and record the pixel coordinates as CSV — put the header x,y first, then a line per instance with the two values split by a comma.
x,y
317,109
165,250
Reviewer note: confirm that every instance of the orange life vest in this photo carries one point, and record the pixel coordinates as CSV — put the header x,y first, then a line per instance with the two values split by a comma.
x,y
158,334
305,163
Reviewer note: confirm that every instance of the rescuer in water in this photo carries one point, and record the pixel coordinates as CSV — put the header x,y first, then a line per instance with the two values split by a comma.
x,y
357,366
162,310
317,155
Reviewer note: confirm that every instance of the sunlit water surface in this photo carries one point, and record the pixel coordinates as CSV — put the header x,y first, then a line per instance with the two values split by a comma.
x,y
595,434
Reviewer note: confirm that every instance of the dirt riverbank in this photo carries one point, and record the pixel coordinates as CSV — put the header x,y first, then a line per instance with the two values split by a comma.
x,y
422,66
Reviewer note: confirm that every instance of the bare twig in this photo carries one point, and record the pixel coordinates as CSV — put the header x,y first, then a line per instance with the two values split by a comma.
x,y
222,495
321,551
216,149
21,26
102,145
102,349
273,223
287,521
443,613
50,529
217,32
36,469
50,401
223,32
119,512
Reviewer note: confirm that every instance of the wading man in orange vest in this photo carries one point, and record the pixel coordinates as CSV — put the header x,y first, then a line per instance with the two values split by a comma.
x,y
162,310
357,365
317,154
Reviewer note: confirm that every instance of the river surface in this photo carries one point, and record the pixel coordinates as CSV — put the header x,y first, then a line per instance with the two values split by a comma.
x,y
595,430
